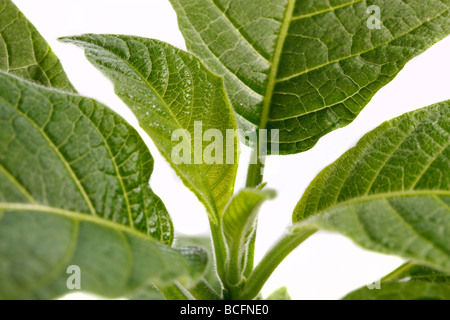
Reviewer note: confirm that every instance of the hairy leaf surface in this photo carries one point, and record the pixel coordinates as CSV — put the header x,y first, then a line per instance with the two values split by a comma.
x,y
409,282
239,221
170,90
74,192
390,193
307,67
25,53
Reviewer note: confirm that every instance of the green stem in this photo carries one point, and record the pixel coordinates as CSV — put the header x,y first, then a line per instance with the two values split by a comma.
x,y
254,179
255,171
240,262
235,270
250,254
175,292
399,271
220,249
271,261
234,266
203,291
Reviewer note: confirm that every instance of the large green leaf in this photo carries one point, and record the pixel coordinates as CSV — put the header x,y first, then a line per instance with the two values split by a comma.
x,y
210,276
307,67
74,191
205,243
403,291
239,221
25,53
409,282
168,90
280,294
147,293
390,193
412,272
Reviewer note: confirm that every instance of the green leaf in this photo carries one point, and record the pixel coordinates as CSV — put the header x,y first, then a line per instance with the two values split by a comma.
x,y
280,294
205,243
238,226
210,281
390,193
403,291
412,272
168,90
307,67
74,191
25,53
149,292
409,282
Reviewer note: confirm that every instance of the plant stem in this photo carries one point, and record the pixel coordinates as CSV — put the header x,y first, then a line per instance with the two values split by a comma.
x,y
233,278
203,291
250,253
175,292
271,261
220,249
255,171
234,267
254,179
397,272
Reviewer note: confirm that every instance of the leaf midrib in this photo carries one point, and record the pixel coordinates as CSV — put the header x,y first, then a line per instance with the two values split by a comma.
x,y
330,9
239,32
74,215
116,168
328,63
412,229
276,63
61,157
57,270
313,221
74,177
228,70
17,184
288,18
214,211
383,196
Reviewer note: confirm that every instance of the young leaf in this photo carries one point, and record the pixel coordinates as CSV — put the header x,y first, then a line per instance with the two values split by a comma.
x,y
411,282
169,90
74,192
403,291
307,67
25,53
280,294
390,193
210,275
238,224
412,272
147,293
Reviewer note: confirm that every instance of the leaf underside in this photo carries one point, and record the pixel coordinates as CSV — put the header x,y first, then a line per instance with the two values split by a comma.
x,y
73,185
168,90
205,243
390,193
240,215
280,294
239,222
25,53
74,191
415,283
307,67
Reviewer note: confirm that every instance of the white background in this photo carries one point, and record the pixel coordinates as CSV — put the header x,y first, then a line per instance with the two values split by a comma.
x,y
326,266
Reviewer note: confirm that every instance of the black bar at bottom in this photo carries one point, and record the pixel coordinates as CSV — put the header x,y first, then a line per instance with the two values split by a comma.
x,y
260,309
